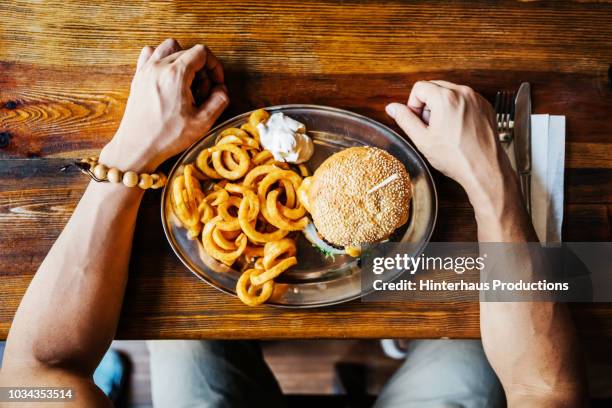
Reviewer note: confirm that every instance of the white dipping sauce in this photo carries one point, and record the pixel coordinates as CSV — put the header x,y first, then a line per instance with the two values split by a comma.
x,y
286,139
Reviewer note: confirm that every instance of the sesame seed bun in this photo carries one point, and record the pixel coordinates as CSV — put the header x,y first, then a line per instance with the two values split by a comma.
x,y
359,195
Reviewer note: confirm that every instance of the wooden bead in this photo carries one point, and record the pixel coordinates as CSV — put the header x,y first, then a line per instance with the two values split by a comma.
x,y
114,175
145,181
154,179
159,180
100,171
130,179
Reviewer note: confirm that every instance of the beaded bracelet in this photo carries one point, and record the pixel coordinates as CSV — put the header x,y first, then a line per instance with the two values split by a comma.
x,y
101,173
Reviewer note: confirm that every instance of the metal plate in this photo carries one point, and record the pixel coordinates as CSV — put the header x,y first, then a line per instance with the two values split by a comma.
x,y
316,280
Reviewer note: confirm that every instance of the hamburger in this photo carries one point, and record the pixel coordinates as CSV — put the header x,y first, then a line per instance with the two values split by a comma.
x,y
357,196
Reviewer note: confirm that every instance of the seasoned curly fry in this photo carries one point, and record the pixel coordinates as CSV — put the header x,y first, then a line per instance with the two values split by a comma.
x,y
222,241
249,226
253,251
186,198
251,297
257,173
242,190
207,212
232,132
302,192
229,139
217,197
224,207
251,130
204,167
192,186
259,264
293,213
277,219
249,206
278,257
273,251
230,222
239,137
243,161
303,170
263,157
214,250
273,272
285,177
257,117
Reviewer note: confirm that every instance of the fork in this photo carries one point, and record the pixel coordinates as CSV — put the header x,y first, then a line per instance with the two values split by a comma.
x,y
504,115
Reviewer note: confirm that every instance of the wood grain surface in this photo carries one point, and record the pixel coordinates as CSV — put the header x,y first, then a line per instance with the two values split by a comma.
x,y
65,69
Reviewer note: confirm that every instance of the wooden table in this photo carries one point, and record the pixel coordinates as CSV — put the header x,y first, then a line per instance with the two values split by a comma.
x,y
65,69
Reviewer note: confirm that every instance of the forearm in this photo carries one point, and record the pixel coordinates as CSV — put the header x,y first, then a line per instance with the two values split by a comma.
x,y
543,366
533,349
69,313
531,346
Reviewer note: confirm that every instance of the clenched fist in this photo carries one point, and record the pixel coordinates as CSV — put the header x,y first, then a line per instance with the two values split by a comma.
x,y
161,118
454,127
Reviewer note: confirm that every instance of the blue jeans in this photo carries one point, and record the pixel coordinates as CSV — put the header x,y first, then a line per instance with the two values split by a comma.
x,y
436,373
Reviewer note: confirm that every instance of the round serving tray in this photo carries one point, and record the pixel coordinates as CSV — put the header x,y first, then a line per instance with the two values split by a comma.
x,y
316,280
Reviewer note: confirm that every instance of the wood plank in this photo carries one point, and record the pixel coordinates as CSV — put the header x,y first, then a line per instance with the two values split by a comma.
x,y
593,319
399,37
588,155
55,112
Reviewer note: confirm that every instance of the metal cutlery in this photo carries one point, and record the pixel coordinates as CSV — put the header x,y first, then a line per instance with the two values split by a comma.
x,y
513,116
522,140
504,115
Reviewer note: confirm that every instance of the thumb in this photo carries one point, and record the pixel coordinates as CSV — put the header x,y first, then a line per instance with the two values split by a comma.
x,y
410,123
212,108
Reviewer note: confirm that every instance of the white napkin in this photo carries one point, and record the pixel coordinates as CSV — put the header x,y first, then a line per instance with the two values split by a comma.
x,y
547,169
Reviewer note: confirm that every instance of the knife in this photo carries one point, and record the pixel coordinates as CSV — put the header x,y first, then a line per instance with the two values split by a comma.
x,y
522,140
